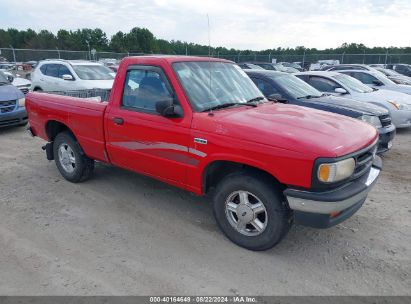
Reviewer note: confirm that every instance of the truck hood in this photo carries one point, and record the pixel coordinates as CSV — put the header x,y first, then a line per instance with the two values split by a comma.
x,y
290,127
349,104
96,84
9,92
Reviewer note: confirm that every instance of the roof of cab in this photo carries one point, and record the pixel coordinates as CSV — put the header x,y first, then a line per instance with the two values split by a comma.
x,y
173,58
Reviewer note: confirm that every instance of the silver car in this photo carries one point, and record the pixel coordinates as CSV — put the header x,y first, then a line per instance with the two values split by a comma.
x,y
377,80
398,104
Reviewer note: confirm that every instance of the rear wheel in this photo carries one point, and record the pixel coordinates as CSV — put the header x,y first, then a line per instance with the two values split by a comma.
x,y
250,211
70,159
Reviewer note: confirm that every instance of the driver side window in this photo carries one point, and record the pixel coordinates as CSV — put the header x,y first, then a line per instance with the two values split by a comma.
x,y
143,88
323,85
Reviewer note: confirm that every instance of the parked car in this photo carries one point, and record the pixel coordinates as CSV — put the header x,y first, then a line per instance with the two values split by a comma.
x,y
404,69
61,75
246,66
31,63
12,101
266,165
114,68
21,83
398,104
292,90
292,65
377,80
342,67
6,66
395,76
276,67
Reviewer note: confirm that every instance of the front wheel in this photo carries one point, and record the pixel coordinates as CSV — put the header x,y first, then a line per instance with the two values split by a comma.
x,y
250,211
70,159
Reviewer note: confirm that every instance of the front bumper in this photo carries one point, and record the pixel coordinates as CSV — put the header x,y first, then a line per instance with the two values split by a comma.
x,y
328,208
17,117
386,137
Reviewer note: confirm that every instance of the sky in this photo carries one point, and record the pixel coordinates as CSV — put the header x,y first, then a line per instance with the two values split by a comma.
x,y
255,25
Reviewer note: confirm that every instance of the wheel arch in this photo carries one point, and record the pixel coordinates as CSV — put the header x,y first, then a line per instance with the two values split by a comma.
x,y
54,127
216,170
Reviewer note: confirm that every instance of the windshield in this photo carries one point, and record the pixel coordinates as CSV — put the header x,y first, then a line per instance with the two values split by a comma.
x,y
3,78
381,77
296,87
93,72
353,84
211,84
389,72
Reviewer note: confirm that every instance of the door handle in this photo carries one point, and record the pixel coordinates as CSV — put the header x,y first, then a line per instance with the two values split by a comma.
x,y
118,120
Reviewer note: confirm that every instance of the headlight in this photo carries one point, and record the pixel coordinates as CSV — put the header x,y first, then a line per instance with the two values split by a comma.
x,y
397,105
22,102
334,172
372,120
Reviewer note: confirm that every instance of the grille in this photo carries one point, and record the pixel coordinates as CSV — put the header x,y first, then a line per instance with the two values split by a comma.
x,y
7,106
364,160
9,122
385,120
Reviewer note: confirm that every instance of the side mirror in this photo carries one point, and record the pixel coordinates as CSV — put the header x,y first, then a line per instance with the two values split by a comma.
x,y
10,78
167,108
377,83
340,91
277,97
67,77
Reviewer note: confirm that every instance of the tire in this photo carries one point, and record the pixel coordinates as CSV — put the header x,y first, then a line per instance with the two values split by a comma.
x,y
275,218
38,90
72,163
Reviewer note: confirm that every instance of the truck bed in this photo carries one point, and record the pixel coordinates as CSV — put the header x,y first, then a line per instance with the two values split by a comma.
x,y
85,117
95,94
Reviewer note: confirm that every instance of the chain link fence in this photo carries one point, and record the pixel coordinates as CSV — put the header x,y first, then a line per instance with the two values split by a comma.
x,y
24,55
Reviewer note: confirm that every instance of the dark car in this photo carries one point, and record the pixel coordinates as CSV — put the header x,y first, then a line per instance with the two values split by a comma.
x,y
12,110
288,88
404,69
248,66
276,67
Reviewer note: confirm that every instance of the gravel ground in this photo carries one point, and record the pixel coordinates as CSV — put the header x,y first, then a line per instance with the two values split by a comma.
x,y
124,234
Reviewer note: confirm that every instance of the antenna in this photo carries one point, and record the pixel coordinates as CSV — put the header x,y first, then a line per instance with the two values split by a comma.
x,y
209,41
209,63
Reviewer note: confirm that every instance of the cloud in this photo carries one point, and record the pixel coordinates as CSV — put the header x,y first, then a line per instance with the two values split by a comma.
x,y
239,24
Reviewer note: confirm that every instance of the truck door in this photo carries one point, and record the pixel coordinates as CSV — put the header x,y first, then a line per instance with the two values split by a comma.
x,y
139,138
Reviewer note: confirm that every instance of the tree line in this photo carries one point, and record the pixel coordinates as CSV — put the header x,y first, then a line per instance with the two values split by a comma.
x,y
141,40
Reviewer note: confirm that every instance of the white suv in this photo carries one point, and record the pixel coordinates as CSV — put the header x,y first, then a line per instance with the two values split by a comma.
x,y
67,75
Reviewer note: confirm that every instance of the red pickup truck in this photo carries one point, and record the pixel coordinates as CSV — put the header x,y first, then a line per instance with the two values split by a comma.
x,y
202,125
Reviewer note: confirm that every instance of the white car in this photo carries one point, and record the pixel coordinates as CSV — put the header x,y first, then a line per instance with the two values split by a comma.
x,y
69,75
21,83
398,104
377,80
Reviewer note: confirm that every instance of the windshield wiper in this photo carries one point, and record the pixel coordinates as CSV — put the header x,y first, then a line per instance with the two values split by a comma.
x,y
229,104
308,96
256,99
